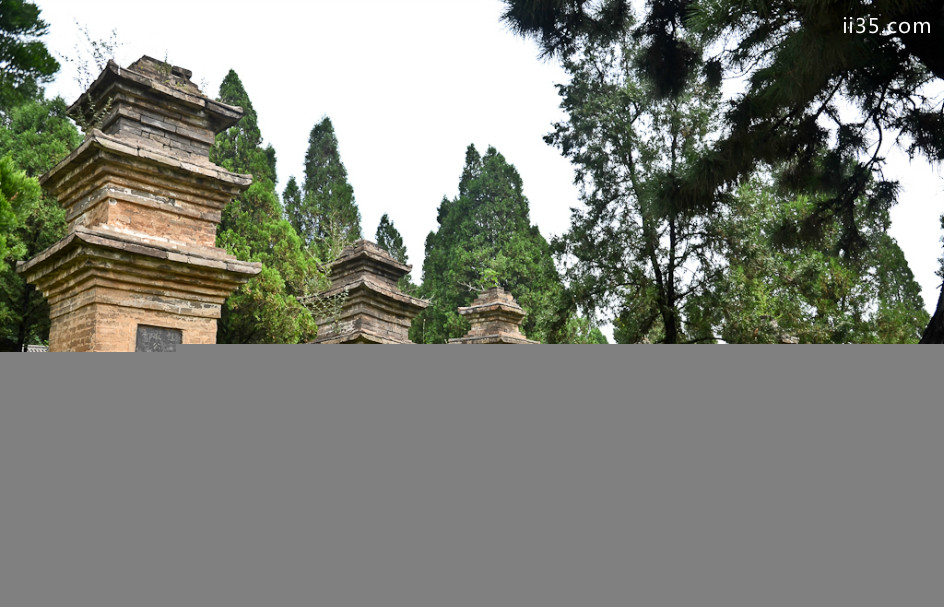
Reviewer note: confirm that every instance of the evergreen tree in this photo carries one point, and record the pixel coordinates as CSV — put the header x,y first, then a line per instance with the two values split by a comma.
x,y
325,215
779,283
18,194
30,131
485,239
25,63
265,309
580,330
239,148
626,254
673,276
804,70
389,239
292,202
38,135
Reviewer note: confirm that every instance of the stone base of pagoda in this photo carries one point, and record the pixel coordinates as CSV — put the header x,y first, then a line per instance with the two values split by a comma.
x,y
113,292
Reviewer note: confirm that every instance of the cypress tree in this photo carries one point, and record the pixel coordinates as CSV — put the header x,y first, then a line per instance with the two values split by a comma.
x,y
485,239
325,215
389,239
265,309
291,199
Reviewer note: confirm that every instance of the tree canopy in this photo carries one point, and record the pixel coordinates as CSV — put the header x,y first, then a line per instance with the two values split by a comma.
x,y
625,253
777,284
265,309
25,62
389,239
801,67
324,212
37,136
34,135
485,238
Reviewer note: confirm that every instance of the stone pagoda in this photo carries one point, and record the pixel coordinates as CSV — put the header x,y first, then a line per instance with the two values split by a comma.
x,y
371,308
138,269
496,319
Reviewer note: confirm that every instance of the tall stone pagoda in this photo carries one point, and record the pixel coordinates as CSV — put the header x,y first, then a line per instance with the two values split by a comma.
x,y
496,319
371,307
138,269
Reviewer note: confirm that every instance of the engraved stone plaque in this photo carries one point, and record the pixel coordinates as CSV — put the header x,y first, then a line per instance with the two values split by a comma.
x,y
157,339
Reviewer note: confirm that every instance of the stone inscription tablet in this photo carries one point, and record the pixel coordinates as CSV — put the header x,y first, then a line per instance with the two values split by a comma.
x,y
157,339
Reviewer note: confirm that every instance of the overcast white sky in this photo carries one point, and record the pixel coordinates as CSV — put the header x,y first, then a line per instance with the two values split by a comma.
x,y
408,85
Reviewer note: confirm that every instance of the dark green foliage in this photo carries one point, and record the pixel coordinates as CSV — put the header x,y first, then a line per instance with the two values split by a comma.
x,y
805,287
25,63
266,309
758,268
389,239
37,136
292,202
239,148
626,253
485,239
557,24
802,71
580,330
34,135
18,195
325,214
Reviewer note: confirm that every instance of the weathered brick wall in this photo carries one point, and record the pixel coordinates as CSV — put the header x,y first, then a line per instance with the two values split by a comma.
x,y
112,183
142,203
495,318
98,327
374,310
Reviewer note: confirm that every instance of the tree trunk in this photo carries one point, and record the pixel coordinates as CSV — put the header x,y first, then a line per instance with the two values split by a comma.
x,y
934,333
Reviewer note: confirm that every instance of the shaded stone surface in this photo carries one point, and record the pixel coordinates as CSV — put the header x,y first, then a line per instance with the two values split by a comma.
x,y
496,319
142,202
157,339
373,310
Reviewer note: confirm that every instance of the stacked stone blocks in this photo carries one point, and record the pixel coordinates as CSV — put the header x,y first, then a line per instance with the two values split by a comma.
x,y
496,318
142,203
374,310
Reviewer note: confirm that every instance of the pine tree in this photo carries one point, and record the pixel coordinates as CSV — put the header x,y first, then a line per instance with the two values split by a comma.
x,y
770,264
625,253
805,69
485,239
265,309
325,215
25,63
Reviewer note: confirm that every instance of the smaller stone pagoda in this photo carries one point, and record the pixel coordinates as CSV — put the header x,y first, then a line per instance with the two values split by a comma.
x,y
496,319
372,308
